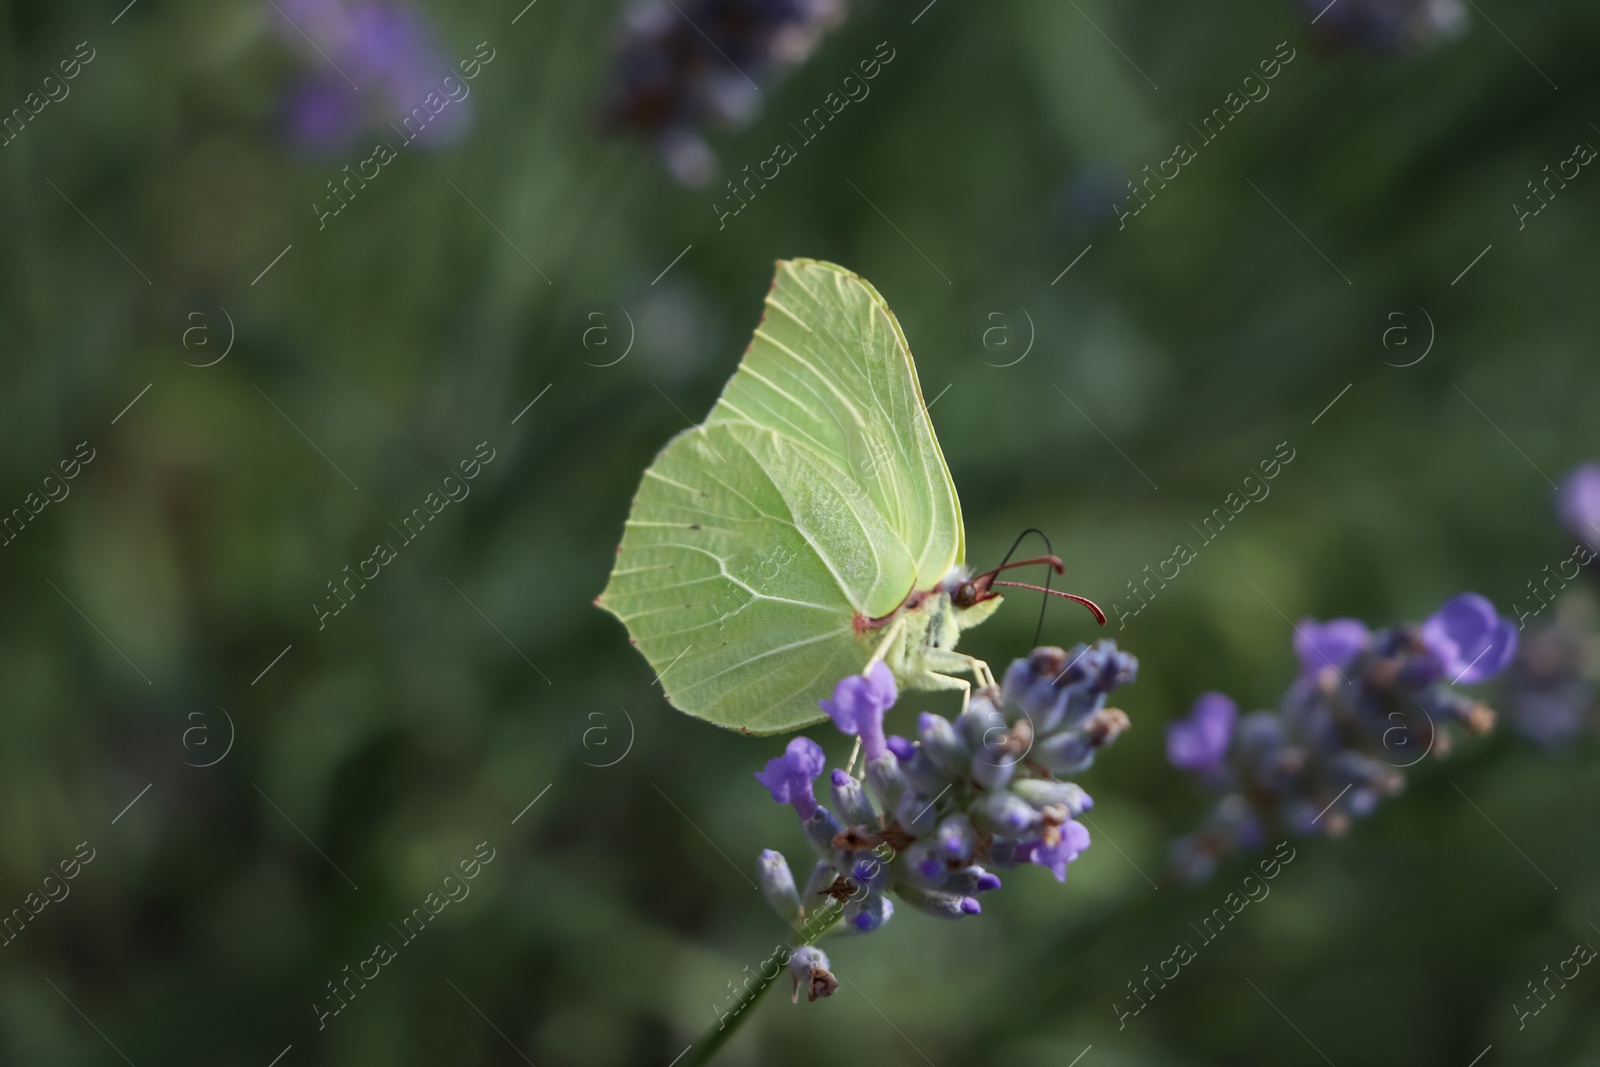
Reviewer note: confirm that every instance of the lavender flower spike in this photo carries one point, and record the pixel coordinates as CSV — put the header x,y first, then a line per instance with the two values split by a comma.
x,y
788,777
1200,742
858,704
926,827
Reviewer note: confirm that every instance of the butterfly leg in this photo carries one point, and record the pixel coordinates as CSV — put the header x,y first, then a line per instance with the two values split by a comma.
x,y
948,661
946,681
896,628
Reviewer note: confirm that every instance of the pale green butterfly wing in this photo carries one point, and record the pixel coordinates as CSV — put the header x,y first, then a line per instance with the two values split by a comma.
x,y
740,574
758,541
829,366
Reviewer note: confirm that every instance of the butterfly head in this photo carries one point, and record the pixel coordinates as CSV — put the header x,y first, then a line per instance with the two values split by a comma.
x,y
968,591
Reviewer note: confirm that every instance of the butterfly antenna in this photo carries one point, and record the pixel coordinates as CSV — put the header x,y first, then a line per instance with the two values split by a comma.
x,y
1056,565
1085,601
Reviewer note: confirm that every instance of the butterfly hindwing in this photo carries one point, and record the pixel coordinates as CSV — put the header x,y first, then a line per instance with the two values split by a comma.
x,y
741,573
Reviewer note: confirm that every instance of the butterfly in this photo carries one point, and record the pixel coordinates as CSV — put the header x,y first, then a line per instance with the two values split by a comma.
x,y
807,528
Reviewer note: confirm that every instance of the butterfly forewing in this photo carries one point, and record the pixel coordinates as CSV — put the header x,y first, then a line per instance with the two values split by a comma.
x,y
814,497
829,367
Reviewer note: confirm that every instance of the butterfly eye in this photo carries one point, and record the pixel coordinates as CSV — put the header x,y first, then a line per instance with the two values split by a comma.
x,y
966,595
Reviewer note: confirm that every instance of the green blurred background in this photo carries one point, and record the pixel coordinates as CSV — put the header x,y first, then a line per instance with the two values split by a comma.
x,y
381,749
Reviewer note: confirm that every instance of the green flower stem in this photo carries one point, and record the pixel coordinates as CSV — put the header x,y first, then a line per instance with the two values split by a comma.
x,y
712,1040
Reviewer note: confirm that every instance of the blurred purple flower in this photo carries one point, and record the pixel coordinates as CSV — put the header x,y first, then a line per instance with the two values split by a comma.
x,y
1469,639
320,118
387,62
1200,742
858,704
788,777
1386,26
1333,643
684,66
1579,502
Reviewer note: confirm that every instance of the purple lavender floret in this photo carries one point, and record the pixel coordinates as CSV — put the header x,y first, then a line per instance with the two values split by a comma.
x,y
1469,639
1366,706
1321,645
788,777
858,704
1200,742
934,817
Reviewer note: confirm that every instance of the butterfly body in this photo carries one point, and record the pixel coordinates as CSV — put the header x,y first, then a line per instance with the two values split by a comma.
x,y
924,655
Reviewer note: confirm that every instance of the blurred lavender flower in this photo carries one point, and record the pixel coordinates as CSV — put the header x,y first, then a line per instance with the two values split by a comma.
x,y
1469,639
932,816
1578,503
1199,742
1329,644
369,64
1551,688
1386,26
1365,707
683,66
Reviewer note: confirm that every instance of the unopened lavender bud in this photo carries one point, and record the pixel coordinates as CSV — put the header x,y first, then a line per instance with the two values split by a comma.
x,y
970,880
809,968
980,724
903,747
872,873
939,904
823,875
992,769
1043,793
916,813
941,744
850,800
1003,852
925,866
887,782
955,838
777,883
867,915
1065,753
923,773
820,829
1004,815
